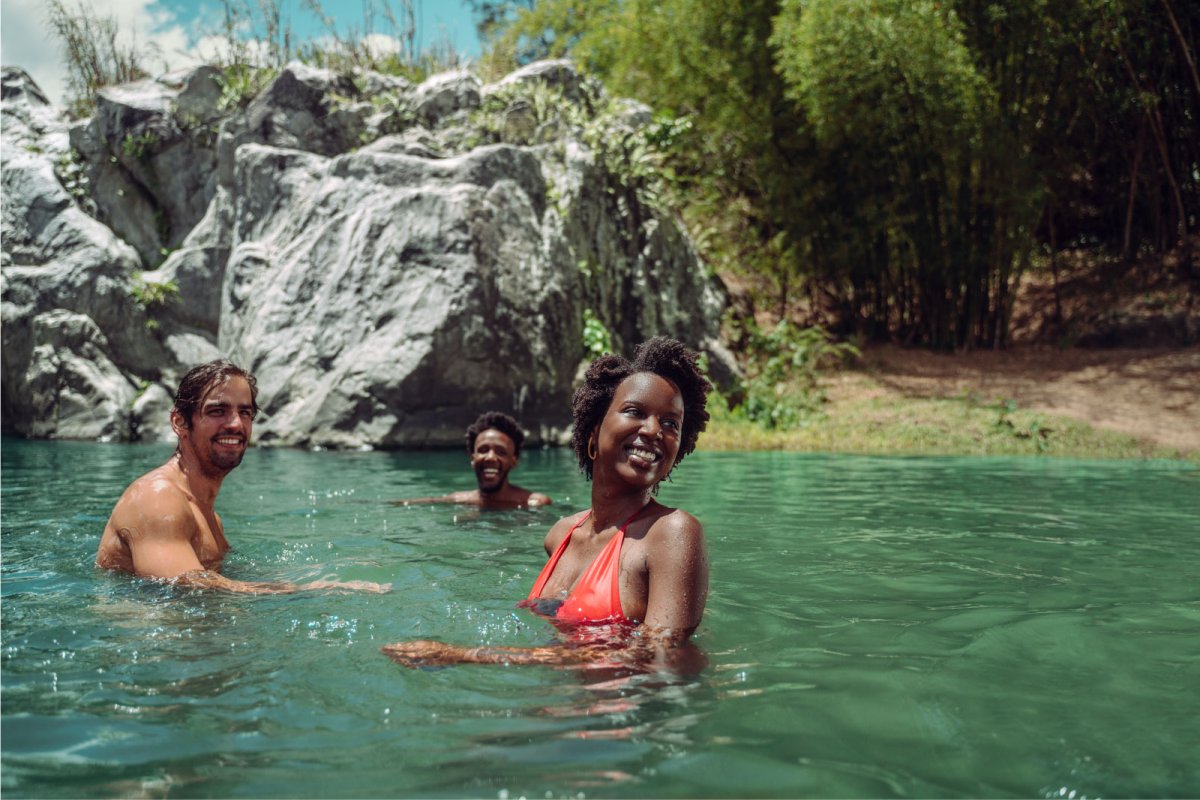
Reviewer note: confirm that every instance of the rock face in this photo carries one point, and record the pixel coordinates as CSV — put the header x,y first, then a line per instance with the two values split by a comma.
x,y
388,259
151,158
76,345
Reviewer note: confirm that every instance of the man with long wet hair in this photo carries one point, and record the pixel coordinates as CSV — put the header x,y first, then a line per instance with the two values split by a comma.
x,y
165,525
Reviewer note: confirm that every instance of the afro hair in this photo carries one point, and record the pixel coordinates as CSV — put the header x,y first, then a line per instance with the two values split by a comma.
x,y
668,358
496,420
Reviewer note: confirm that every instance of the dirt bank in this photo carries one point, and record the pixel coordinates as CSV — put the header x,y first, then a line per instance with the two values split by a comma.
x,y
1153,394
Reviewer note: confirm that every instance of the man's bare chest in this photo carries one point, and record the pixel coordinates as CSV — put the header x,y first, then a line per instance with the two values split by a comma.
x,y
208,540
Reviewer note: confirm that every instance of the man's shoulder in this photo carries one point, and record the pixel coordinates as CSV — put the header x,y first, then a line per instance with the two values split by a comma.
x,y
157,493
163,477
520,496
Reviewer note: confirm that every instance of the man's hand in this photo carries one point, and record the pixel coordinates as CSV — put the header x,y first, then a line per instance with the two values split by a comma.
x,y
205,579
357,586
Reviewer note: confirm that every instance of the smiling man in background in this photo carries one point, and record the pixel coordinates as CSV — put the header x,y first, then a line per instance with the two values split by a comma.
x,y
165,524
494,444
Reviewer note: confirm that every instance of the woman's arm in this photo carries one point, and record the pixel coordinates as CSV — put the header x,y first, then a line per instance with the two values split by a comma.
x,y
424,653
678,587
677,567
642,650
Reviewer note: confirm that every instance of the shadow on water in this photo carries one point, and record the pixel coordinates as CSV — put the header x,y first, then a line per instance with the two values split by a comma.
x,y
876,627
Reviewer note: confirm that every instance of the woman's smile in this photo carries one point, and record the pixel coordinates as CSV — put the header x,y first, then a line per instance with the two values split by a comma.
x,y
641,429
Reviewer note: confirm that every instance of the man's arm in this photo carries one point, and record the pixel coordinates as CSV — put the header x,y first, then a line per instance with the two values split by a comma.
x,y
643,649
207,579
425,653
159,529
156,524
456,497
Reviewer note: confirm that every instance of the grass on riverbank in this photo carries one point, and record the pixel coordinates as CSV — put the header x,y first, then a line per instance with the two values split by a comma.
x,y
894,425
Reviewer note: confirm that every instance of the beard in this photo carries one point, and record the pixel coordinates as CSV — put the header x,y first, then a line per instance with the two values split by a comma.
x,y
488,485
216,459
225,462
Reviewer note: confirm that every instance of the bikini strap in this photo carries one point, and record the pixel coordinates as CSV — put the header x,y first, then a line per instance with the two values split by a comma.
x,y
631,519
548,570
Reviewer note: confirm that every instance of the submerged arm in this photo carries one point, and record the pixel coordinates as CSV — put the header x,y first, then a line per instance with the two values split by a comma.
x,y
453,497
207,579
158,532
424,653
642,649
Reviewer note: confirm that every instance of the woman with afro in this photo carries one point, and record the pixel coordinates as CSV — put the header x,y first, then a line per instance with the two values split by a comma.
x,y
628,563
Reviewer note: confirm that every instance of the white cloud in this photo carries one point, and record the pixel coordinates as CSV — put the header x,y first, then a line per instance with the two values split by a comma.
x,y
380,44
26,39
25,42
164,41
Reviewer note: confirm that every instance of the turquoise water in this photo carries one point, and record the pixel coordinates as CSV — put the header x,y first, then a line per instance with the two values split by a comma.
x,y
877,627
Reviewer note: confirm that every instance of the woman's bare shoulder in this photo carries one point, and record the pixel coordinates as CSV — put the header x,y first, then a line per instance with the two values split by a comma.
x,y
676,526
559,530
675,519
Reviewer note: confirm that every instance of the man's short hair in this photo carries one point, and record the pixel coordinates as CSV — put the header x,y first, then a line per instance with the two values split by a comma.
x,y
199,380
496,420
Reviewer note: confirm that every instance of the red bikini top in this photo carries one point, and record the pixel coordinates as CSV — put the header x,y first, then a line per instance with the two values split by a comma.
x,y
597,595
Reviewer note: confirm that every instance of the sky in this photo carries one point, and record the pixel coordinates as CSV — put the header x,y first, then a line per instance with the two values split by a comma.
x,y
180,30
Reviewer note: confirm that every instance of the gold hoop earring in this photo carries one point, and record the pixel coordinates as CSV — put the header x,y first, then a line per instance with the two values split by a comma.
x,y
591,449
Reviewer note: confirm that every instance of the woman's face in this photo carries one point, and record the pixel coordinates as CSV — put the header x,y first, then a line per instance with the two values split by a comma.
x,y
640,433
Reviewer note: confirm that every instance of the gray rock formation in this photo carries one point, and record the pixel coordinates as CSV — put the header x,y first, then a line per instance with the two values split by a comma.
x,y
77,347
388,259
558,74
302,109
150,151
445,95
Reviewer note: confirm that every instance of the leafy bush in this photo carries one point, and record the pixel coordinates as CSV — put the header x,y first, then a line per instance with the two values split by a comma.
x,y
152,294
138,146
596,339
241,83
1036,432
516,113
70,171
784,365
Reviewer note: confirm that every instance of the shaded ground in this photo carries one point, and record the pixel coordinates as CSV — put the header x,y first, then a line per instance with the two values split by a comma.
x,y
1153,394
1101,342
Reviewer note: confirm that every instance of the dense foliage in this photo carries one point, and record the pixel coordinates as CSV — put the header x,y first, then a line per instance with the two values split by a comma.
x,y
896,165
888,168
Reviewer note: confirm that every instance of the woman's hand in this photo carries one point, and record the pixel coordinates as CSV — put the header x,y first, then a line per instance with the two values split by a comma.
x,y
424,653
